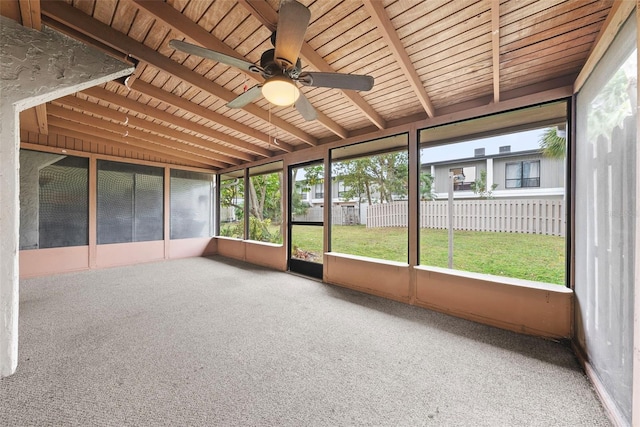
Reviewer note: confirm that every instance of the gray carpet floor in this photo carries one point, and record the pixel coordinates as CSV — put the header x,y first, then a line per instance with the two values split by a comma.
x,y
216,342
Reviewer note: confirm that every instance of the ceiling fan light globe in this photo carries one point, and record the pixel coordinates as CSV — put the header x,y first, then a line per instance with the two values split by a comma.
x,y
280,91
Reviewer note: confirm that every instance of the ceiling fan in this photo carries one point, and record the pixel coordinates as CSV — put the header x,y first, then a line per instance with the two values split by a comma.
x,y
281,67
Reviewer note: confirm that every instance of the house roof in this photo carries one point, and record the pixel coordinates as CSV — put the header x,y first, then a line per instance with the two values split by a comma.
x,y
484,157
429,59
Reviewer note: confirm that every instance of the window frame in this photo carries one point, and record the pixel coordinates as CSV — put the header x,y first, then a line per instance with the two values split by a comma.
x,y
521,178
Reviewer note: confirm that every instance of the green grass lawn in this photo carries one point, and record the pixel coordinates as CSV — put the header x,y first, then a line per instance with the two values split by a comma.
x,y
524,256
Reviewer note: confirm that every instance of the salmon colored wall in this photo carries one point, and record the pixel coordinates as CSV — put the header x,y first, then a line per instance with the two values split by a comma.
x,y
384,278
521,306
42,262
184,248
265,254
531,308
232,248
129,253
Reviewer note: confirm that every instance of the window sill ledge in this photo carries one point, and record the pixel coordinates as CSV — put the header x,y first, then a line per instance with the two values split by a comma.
x,y
499,280
367,259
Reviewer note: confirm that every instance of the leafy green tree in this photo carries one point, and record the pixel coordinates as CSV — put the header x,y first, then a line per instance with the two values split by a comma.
x,y
356,178
314,174
232,194
298,206
382,174
426,186
265,197
479,186
265,207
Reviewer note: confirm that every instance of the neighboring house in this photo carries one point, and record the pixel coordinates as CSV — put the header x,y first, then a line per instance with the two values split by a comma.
x,y
352,210
519,174
314,195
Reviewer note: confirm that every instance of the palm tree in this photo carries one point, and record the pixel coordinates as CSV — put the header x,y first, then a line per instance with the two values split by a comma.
x,y
552,144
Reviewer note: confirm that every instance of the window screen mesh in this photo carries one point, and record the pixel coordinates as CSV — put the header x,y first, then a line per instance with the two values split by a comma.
x,y
53,200
605,205
191,204
130,203
63,218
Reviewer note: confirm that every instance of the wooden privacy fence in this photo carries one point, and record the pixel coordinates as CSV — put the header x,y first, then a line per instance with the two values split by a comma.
x,y
340,215
531,216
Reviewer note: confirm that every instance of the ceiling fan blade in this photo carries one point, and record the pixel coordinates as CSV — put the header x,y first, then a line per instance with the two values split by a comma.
x,y
305,108
293,20
246,98
193,49
336,80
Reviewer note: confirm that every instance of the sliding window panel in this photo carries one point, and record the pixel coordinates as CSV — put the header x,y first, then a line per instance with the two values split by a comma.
x,y
265,203
232,205
493,195
54,200
191,204
369,205
130,203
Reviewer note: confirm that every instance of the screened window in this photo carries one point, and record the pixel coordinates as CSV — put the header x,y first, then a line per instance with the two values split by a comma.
x,y
370,216
191,204
463,178
343,191
318,191
522,174
232,205
130,203
265,203
606,241
470,217
54,200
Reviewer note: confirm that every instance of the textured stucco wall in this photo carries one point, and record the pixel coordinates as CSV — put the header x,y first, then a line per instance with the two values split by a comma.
x,y
35,67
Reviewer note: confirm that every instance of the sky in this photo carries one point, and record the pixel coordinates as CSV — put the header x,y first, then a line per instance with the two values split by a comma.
x,y
520,141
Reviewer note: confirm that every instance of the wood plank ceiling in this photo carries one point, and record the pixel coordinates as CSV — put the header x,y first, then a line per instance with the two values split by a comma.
x,y
428,58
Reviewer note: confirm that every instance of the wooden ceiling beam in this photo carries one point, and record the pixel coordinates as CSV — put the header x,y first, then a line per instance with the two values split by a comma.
x,y
128,82
41,117
98,127
188,106
30,13
495,48
79,21
131,105
110,144
617,16
111,114
380,18
269,18
88,133
181,24
88,40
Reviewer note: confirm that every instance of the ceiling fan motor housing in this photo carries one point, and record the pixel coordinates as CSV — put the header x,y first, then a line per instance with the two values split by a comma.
x,y
272,68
